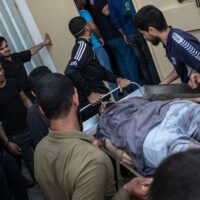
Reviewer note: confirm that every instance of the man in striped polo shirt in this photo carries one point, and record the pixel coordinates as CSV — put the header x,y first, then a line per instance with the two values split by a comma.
x,y
182,49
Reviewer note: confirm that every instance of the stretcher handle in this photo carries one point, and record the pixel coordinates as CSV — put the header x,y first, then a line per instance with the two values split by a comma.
x,y
117,88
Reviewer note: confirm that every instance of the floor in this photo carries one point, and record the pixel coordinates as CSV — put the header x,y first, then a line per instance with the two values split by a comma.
x,y
35,192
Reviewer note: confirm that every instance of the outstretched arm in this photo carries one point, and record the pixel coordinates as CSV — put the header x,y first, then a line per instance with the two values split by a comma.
x,y
46,42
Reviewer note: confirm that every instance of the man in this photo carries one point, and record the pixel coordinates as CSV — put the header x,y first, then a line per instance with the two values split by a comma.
x,y
182,49
85,70
126,61
122,13
13,107
149,131
11,180
178,177
67,165
13,63
36,120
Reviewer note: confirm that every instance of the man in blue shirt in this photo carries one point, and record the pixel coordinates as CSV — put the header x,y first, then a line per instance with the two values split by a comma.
x,y
182,49
122,13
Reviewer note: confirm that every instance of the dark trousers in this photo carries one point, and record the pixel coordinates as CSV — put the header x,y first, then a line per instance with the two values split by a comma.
x,y
24,141
11,180
147,67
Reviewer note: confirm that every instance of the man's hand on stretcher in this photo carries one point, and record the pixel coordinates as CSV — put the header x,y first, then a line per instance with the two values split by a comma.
x,y
122,83
194,80
94,98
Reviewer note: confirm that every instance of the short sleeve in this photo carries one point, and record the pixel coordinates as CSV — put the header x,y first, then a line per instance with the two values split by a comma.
x,y
25,56
86,15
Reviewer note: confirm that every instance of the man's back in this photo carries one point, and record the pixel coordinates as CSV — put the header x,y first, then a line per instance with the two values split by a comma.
x,y
68,166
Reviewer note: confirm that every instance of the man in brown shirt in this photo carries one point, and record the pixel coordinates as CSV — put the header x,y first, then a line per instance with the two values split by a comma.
x,y
67,164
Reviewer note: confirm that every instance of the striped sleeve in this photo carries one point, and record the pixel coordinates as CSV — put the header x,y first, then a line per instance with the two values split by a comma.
x,y
79,60
188,50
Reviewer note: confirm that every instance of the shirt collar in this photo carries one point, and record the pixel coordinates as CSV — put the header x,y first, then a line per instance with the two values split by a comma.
x,y
70,134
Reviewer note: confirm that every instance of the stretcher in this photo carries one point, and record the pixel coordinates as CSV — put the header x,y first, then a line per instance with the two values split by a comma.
x,y
155,92
90,126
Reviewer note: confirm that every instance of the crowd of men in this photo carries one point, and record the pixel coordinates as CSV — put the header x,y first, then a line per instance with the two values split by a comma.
x,y
40,114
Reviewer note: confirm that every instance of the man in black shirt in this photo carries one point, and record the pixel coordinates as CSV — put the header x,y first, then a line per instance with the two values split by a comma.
x,y
36,120
13,63
13,104
85,70
11,180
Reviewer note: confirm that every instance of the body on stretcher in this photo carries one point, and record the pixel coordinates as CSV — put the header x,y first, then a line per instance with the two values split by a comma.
x,y
90,126
92,129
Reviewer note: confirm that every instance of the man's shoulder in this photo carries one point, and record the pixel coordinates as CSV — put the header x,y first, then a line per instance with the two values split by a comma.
x,y
81,48
181,38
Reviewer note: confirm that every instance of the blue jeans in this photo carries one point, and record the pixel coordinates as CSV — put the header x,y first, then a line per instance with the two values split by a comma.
x,y
105,62
126,60
179,131
23,140
11,180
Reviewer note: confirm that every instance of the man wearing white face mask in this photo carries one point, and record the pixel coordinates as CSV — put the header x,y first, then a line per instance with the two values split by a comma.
x,y
85,71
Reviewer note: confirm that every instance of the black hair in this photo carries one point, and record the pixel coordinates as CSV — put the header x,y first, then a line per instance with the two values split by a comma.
x,y
2,39
150,16
77,26
35,76
177,177
56,95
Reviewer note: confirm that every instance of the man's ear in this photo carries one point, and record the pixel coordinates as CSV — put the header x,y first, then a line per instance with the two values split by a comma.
x,y
75,98
153,31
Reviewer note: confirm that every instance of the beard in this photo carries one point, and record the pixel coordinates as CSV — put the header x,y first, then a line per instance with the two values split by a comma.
x,y
155,41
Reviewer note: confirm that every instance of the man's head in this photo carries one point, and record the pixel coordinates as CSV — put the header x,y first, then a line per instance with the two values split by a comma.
x,y
178,177
2,76
78,27
4,48
150,21
35,76
57,97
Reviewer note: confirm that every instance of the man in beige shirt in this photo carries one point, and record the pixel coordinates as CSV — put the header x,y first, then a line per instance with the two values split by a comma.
x,y
67,164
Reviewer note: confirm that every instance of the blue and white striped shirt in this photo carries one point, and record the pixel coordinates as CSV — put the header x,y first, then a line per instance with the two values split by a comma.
x,y
183,50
